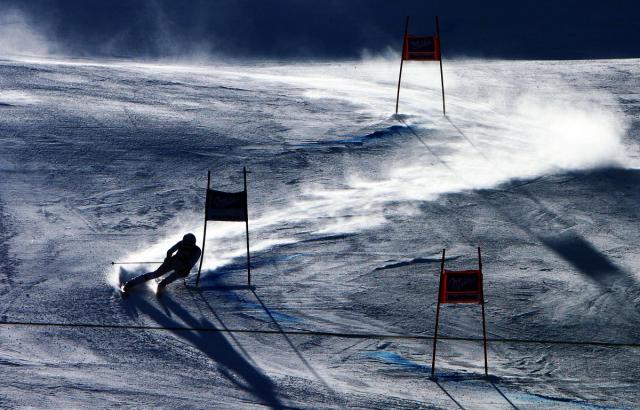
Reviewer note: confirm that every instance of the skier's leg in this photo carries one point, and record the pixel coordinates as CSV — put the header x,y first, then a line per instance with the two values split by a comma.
x,y
162,269
170,278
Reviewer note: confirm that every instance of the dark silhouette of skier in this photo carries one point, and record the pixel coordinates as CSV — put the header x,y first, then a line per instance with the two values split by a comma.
x,y
181,263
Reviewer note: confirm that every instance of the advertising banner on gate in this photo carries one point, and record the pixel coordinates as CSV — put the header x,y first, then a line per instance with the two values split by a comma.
x,y
422,48
464,286
226,206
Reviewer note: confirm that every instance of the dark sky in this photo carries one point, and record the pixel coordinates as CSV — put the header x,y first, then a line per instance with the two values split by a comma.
x,y
284,29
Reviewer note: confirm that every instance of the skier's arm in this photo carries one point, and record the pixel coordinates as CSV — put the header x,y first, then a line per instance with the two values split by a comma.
x,y
173,249
194,258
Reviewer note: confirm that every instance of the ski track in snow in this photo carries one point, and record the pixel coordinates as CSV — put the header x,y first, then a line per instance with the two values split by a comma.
x,y
349,207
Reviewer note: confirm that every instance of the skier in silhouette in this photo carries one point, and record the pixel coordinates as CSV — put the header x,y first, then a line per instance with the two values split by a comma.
x,y
181,263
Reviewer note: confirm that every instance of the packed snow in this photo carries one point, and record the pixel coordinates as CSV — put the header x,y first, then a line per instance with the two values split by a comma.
x,y
350,206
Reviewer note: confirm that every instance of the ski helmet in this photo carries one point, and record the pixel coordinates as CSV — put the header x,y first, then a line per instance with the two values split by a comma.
x,y
189,239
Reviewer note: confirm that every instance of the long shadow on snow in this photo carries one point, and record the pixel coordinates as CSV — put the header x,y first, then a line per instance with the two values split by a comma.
x,y
503,395
570,246
272,316
217,348
580,253
584,257
221,286
414,261
356,140
217,284
224,326
573,248
448,394
239,264
395,359
462,407
290,343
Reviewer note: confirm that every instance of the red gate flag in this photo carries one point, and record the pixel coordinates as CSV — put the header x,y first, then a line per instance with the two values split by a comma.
x,y
226,206
421,48
463,286
460,286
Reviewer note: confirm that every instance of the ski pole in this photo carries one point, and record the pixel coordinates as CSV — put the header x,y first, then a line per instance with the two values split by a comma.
x,y
132,263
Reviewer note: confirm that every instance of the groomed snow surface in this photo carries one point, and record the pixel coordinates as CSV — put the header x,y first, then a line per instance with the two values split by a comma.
x,y
350,208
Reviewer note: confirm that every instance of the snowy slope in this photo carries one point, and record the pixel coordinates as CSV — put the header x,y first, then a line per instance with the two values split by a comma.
x,y
350,207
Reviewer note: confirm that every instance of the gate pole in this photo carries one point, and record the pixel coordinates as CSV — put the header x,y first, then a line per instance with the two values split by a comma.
x,y
404,45
204,235
435,334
